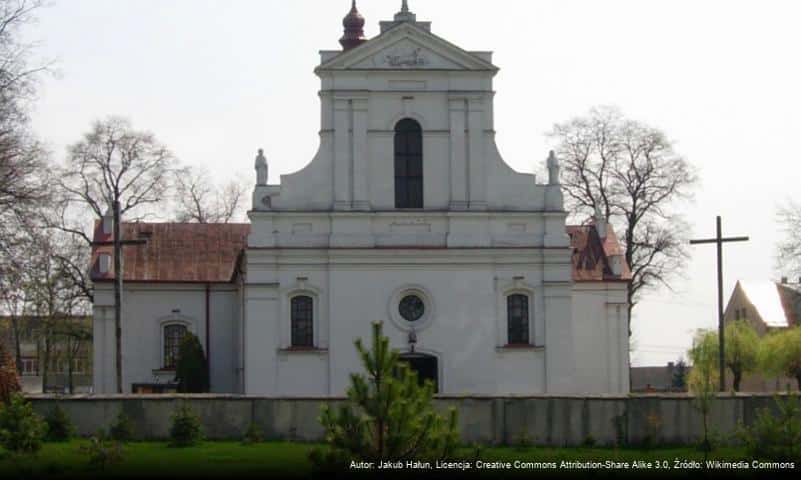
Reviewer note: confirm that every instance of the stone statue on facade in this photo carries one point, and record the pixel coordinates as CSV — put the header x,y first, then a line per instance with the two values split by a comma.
x,y
261,168
553,168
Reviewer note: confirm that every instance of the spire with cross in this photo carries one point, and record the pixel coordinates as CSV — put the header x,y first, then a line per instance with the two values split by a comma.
x,y
405,15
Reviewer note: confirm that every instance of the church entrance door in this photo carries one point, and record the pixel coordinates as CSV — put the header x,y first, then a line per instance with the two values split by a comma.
x,y
425,366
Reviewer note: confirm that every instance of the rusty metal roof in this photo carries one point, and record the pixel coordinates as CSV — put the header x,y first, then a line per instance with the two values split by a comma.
x,y
591,254
175,252
203,253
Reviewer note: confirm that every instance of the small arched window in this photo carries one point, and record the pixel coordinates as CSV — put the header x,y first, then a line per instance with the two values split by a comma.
x,y
302,319
408,164
517,318
173,334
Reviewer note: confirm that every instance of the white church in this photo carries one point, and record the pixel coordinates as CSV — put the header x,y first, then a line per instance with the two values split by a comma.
x,y
406,215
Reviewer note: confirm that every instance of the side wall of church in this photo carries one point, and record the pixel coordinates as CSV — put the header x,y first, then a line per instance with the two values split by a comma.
x,y
147,309
601,336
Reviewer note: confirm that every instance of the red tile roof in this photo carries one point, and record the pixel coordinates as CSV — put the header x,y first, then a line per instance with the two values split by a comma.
x,y
201,253
176,252
591,254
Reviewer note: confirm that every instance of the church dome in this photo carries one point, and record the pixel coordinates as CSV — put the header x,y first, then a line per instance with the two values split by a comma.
x,y
354,29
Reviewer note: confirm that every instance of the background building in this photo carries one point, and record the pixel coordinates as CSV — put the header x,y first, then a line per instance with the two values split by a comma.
x,y
56,353
768,306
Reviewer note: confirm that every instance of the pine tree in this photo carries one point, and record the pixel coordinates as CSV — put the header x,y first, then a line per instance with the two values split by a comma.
x,y
679,379
388,415
9,380
191,369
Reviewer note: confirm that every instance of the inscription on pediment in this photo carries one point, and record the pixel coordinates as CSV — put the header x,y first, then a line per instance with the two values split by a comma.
x,y
407,55
413,58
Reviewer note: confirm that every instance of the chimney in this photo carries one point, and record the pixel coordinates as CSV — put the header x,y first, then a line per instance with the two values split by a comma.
x,y
553,168
108,222
616,264
104,262
600,223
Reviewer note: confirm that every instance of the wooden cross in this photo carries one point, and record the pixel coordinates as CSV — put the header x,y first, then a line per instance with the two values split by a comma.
x,y
719,240
118,244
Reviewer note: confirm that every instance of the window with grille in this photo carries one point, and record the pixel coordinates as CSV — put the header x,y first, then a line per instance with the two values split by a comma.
x,y
517,318
408,164
30,366
302,318
173,334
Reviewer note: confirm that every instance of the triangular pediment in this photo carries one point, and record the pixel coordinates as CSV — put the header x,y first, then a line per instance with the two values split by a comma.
x,y
407,47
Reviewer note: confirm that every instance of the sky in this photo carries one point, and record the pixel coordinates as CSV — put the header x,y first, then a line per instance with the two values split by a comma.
x,y
216,80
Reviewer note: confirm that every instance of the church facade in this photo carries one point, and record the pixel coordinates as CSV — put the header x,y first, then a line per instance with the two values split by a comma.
x,y
406,215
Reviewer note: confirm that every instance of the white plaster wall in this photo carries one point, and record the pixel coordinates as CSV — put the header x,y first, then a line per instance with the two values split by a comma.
x,y
407,229
460,247
145,309
103,374
601,336
461,161
261,342
224,307
353,288
451,96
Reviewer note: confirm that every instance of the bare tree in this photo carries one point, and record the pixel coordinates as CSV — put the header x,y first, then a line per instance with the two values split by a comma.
x,y
789,248
22,157
199,200
38,292
116,163
13,303
49,296
631,174
117,167
73,335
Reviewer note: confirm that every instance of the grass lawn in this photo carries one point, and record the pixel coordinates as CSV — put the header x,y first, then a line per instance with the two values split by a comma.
x,y
234,460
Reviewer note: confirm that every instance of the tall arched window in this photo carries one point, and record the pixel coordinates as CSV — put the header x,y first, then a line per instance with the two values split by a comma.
x,y
302,318
408,164
517,318
173,334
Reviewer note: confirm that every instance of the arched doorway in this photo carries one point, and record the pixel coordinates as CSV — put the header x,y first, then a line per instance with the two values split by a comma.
x,y
426,367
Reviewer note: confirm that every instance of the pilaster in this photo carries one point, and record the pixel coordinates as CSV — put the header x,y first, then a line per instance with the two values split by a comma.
x,y
476,155
343,152
359,148
559,344
457,107
261,334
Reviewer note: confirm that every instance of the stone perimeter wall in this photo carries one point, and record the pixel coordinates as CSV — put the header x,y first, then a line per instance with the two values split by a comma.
x,y
545,420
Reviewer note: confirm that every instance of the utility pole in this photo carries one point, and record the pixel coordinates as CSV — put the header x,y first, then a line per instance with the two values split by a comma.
x,y
719,241
118,243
